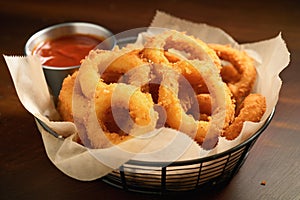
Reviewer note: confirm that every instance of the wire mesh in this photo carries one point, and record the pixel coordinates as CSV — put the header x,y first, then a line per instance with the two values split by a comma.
x,y
160,177
203,174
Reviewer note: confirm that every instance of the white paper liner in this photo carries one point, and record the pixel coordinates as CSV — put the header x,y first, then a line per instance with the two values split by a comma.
x,y
76,161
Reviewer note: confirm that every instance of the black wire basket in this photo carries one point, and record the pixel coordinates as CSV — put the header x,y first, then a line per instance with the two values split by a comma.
x,y
180,176
205,173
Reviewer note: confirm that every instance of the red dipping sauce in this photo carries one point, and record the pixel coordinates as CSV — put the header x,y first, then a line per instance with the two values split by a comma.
x,y
67,50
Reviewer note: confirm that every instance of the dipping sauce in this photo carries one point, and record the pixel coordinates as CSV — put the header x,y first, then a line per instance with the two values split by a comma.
x,y
67,50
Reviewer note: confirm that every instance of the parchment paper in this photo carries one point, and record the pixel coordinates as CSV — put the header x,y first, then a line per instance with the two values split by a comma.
x,y
81,163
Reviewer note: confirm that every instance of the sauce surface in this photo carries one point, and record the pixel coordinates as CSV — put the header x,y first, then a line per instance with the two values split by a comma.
x,y
67,50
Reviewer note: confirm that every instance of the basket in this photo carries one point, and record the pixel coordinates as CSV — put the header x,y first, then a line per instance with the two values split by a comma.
x,y
206,173
180,176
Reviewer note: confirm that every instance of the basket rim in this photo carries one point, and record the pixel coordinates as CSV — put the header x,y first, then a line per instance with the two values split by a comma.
x,y
183,162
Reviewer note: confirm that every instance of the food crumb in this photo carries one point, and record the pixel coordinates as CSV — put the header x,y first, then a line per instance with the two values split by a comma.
x,y
263,182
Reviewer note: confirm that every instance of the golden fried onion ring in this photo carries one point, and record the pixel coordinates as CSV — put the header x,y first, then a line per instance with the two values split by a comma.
x,y
136,83
64,103
102,98
198,58
107,98
131,109
206,133
252,109
244,67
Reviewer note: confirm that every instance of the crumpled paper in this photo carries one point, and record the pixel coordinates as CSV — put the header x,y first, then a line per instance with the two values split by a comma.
x,y
81,163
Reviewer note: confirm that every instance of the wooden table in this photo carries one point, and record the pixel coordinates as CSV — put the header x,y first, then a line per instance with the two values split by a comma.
x,y
27,173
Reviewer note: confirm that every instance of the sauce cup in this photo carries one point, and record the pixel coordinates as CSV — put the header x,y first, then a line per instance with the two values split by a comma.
x,y
55,74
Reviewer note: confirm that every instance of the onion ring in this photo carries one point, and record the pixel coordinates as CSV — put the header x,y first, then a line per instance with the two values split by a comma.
x,y
178,119
175,81
107,98
64,103
122,65
155,47
95,64
243,64
197,63
135,116
252,109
